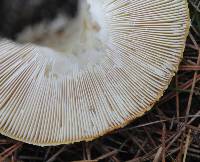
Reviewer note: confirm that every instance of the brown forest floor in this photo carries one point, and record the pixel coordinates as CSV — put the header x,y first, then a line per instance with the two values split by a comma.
x,y
170,132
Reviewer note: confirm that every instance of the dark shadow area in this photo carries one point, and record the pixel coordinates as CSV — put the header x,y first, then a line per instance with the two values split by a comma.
x,y
18,14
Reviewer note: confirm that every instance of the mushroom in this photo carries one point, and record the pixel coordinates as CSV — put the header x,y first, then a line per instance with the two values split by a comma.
x,y
101,71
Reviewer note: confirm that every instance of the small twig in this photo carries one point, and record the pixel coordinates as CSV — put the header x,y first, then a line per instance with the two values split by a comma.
x,y
30,158
195,30
88,151
192,89
139,151
184,86
158,155
57,154
137,143
107,155
180,132
197,156
47,154
150,137
163,142
187,145
189,68
9,151
177,100
179,156
108,151
158,122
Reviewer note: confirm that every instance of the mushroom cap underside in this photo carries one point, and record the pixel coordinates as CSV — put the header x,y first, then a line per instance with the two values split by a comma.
x,y
47,98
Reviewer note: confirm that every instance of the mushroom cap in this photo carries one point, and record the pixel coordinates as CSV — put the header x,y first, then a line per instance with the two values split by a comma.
x,y
123,65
